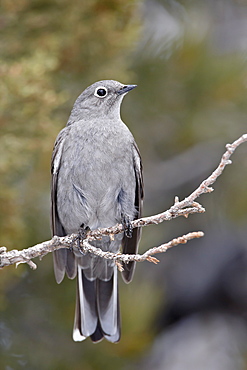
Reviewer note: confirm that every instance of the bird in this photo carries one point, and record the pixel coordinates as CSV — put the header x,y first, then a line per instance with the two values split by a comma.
x,y
96,182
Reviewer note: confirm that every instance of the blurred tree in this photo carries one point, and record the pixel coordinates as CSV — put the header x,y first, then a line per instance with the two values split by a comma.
x,y
189,61
49,52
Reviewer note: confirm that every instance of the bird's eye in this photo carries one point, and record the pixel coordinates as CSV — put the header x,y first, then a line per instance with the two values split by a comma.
x,y
100,92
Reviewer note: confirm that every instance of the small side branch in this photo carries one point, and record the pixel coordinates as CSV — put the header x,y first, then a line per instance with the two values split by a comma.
x,y
147,256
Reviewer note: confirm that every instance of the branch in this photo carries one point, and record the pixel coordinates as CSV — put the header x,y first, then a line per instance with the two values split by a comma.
x,y
180,208
40,250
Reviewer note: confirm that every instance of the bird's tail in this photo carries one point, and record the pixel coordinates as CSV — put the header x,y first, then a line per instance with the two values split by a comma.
x,y
97,308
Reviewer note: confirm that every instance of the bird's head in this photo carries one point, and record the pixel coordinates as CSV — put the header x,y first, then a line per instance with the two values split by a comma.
x,y
103,98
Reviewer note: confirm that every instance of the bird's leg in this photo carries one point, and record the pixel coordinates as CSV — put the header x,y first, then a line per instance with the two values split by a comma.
x,y
82,233
128,229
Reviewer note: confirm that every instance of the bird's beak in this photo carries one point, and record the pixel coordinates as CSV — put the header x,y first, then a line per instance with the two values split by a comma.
x,y
126,89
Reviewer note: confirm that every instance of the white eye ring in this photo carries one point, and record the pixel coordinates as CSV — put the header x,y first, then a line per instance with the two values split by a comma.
x,y
100,92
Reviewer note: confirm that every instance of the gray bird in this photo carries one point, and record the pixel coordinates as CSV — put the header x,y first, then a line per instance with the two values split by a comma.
x,y
96,182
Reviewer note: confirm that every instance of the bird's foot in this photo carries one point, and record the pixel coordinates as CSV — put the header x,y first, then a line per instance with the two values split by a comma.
x,y
82,233
128,229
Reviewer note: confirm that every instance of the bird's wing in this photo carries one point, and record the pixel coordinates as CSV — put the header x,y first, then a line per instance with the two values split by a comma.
x,y
130,245
56,226
63,259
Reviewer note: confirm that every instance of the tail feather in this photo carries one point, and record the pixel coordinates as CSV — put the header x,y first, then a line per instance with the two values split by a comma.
x,y
98,335
64,260
97,309
87,304
107,304
77,335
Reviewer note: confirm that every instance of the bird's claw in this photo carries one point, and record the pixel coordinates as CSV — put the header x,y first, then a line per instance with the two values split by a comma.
x,y
82,233
128,229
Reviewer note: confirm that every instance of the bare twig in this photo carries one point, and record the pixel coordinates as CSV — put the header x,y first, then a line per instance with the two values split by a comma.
x,y
180,208
87,247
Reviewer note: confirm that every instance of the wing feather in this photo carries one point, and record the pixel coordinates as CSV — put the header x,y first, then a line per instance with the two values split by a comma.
x,y
63,259
130,245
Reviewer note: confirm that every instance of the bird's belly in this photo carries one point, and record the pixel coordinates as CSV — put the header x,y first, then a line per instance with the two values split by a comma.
x,y
88,201
88,191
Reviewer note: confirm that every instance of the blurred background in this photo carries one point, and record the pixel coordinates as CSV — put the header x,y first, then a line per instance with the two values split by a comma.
x,y
189,60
